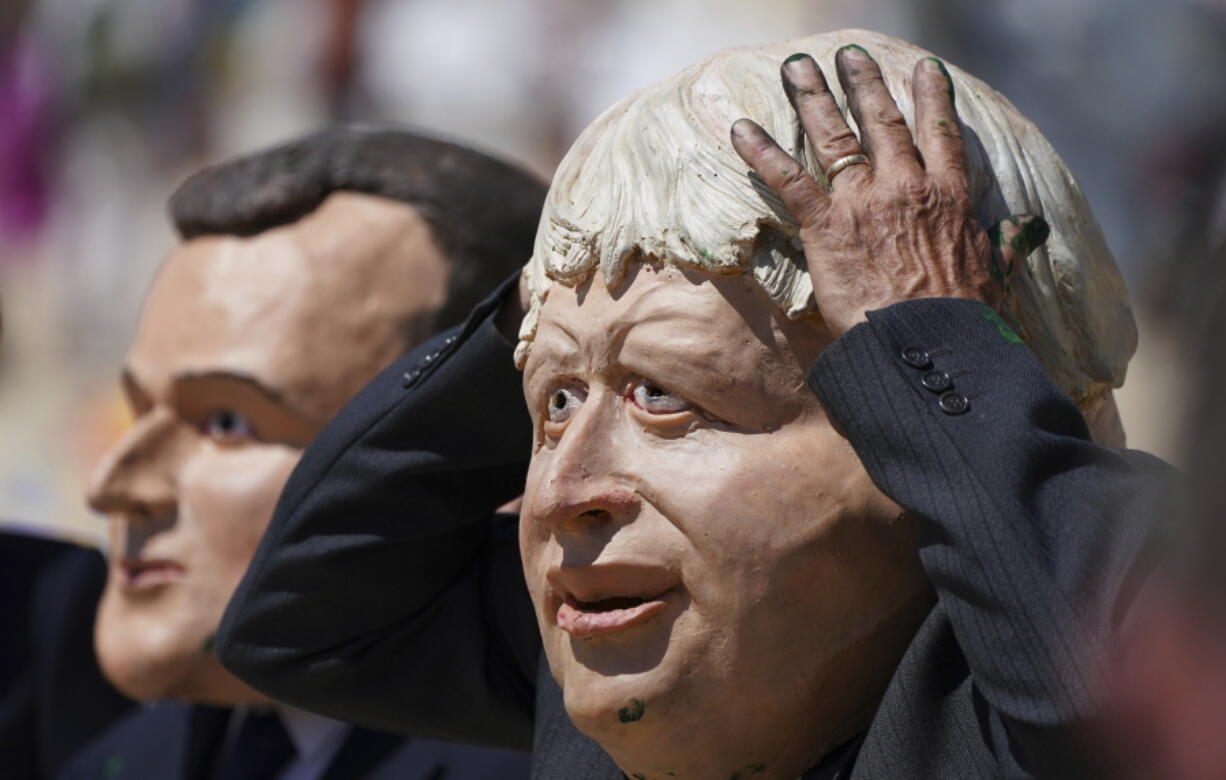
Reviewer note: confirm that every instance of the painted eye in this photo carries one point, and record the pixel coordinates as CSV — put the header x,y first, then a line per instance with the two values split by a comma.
x,y
564,402
656,400
227,426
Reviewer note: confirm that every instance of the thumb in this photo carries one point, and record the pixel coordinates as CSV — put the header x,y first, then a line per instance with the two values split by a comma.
x,y
1013,239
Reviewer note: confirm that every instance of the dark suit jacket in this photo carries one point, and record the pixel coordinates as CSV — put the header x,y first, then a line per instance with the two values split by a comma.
x,y
53,697
172,741
1027,535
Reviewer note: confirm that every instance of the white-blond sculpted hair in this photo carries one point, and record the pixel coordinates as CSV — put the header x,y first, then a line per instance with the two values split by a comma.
x,y
655,177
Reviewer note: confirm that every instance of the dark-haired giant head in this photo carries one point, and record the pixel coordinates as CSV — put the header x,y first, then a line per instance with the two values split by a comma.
x,y
303,271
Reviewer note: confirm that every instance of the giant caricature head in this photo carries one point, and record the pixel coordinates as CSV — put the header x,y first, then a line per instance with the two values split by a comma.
x,y
720,587
303,271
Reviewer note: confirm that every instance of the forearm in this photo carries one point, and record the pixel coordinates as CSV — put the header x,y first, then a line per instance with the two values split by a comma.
x,y
381,593
1027,528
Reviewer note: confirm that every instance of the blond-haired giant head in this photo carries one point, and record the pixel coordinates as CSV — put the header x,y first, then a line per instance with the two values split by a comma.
x,y
656,176
721,589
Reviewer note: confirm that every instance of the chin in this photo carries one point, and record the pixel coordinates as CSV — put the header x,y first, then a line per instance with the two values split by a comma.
x,y
140,677
615,706
144,655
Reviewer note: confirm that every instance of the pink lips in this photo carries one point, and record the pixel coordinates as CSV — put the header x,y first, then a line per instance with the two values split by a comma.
x,y
138,575
584,620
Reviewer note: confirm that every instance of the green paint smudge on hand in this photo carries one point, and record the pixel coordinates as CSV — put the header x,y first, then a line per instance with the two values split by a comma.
x,y
858,48
1002,327
800,55
948,78
631,712
1032,236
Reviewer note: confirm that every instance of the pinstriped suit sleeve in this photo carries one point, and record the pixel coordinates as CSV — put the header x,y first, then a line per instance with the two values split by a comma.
x,y
385,590
1027,528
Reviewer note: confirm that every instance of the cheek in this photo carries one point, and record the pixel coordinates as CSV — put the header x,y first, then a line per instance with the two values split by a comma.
x,y
769,516
534,535
227,497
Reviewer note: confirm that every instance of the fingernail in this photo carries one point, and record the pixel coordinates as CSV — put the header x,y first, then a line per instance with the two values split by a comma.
x,y
948,78
857,48
800,55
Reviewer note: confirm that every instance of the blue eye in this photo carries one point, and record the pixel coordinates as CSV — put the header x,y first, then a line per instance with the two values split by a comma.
x,y
227,426
564,402
656,400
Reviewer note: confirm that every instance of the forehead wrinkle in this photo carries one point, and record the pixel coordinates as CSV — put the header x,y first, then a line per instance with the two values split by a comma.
x,y
684,331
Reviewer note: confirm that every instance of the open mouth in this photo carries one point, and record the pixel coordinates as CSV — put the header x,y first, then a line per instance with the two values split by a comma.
x,y
138,574
587,619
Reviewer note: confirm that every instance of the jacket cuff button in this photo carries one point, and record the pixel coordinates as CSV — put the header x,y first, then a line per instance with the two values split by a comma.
x,y
936,381
916,358
954,403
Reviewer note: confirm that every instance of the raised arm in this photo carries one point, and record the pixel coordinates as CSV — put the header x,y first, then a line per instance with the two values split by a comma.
x,y
1028,530
386,591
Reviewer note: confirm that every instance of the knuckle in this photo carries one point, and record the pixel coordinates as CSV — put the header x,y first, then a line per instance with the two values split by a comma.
x,y
839,143
864,76
794,181
888,116
917,190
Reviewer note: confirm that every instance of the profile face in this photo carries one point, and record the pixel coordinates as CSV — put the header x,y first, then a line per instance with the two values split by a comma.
x,y
698,540
246,347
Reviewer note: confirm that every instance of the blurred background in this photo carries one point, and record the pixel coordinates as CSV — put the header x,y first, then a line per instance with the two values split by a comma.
x,y
106,105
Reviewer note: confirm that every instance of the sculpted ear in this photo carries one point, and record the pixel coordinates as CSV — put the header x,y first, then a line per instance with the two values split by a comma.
x,y
1013,239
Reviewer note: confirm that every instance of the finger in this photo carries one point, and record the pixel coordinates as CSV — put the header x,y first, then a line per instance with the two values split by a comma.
x,y
797,190
823,122
883,131
1013,239
937,130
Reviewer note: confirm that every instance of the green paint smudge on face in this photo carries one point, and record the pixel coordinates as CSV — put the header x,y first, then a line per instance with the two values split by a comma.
x,y
639,776
1002,327
207,647
631,712
752,769
942,123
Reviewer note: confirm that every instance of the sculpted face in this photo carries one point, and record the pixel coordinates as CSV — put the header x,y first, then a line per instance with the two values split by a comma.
x,y
246,347
709,561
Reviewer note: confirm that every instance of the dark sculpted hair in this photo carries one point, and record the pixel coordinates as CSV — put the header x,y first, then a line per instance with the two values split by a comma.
x,y
482,212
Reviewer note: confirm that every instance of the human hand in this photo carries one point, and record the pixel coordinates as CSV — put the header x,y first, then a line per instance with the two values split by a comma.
x,y
901,226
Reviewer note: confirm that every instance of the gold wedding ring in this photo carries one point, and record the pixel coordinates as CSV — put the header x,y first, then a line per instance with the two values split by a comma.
x,y
838,165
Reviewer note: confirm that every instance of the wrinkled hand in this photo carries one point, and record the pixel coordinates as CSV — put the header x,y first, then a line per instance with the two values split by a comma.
x,y
901,227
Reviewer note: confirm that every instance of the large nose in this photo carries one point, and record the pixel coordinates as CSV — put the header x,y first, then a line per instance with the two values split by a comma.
x,y
136,477
583,482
